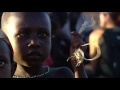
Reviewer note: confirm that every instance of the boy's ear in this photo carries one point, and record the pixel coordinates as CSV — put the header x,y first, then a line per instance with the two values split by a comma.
x,y
13,68
52,36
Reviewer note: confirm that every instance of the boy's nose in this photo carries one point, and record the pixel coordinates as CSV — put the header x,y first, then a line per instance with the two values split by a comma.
x,y
35,42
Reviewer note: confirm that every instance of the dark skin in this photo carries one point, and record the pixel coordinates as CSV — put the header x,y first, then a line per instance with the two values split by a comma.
x,y
6,66
76,42
31,32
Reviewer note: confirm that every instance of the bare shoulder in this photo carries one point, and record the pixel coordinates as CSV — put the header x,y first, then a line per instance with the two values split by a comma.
x,y
96,35
62,72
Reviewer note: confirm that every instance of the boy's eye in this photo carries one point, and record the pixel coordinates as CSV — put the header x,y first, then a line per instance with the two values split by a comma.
x,y
42,35
23,34
2,63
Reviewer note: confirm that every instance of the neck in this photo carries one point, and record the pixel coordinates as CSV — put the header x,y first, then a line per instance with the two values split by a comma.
x,y
24,71
110,26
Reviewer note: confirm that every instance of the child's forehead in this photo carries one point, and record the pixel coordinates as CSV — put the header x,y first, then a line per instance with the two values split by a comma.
x,y
3,45
24,19
32,15
4,50
4,38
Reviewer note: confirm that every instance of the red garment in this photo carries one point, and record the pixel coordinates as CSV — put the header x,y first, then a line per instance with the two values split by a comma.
x,y
48,61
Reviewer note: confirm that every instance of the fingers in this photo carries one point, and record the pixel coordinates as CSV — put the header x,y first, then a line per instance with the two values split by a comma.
x,y
77,44
75,37
75,34
77,41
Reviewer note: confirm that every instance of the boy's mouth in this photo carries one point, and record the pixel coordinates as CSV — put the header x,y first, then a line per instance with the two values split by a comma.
x,y
34,54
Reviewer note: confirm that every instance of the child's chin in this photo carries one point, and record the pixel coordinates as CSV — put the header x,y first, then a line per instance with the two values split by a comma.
x,y
33,63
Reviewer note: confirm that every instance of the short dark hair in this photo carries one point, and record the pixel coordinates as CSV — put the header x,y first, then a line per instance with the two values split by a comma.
x,y
60,17
5,17
115,16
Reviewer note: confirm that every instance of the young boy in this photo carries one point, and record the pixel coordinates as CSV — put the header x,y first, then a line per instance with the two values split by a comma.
x,y
30,36
7,66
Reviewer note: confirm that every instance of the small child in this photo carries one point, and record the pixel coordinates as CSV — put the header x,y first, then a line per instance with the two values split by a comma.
x,y
7,68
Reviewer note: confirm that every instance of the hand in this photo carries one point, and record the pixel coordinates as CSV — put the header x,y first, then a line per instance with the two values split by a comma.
x,y
76,43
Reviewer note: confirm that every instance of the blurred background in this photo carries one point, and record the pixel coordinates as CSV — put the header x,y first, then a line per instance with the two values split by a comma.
x,y
105,33
95,15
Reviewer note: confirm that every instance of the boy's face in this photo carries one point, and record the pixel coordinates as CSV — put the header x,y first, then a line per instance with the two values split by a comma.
x,y
5,62
103,19
30,36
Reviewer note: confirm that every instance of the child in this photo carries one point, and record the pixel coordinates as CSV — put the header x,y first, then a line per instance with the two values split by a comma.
x,y
30,36
7,68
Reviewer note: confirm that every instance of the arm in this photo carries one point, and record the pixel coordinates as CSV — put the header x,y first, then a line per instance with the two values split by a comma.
x,y
79,71
95,37
76,42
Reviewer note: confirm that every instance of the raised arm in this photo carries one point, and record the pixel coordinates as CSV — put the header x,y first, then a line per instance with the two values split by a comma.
x,y
76,43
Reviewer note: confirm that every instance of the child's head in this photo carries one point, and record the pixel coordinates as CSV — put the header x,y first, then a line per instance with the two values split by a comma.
x,y
109,17
58,19
6,57
74,16
30,36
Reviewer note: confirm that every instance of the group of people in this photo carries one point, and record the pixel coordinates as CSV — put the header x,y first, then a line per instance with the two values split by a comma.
x,y
29,50
30,36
